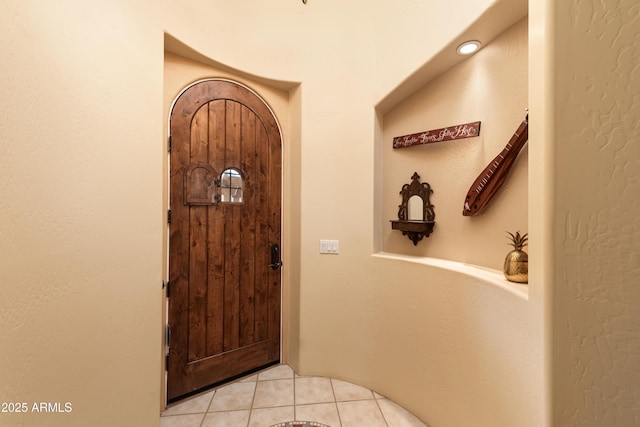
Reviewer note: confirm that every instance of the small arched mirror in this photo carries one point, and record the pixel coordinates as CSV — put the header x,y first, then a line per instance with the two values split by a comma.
x,y
231,186
415,208
416,216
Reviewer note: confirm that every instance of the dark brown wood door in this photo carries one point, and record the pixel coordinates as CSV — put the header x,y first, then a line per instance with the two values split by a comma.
x,y
224,236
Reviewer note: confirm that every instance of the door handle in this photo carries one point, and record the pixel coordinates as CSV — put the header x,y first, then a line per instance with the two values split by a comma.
x,y
276,262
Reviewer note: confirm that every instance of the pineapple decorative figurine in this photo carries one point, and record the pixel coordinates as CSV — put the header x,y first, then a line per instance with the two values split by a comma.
x,y
516,264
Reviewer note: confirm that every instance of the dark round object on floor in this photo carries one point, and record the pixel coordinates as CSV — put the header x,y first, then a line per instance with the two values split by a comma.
x,y
300,424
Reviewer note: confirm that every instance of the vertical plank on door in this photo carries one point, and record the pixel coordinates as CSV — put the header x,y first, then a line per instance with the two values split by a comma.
x,y
179,252
198,243
275,176
262,212
217,256
232,234
247,239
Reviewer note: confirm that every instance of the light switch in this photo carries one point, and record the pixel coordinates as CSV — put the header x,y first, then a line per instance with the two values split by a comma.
x,y
328,246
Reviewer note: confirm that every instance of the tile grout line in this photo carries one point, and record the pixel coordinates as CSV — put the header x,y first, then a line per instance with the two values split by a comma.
x,y
295,410
253,399
335,402
381,411
206,411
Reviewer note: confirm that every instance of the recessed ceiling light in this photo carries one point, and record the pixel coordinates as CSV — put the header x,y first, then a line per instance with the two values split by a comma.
x,y
467,48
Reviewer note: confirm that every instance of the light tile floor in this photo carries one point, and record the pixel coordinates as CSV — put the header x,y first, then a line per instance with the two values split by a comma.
x,y
277,395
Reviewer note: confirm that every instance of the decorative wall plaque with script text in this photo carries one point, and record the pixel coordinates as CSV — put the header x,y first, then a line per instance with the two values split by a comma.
x,y
450,133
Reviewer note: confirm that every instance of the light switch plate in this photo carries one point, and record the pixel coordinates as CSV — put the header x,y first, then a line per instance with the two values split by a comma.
x,y
328,246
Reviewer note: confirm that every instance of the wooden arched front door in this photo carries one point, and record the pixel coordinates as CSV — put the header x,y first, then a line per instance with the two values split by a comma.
x,y
224,236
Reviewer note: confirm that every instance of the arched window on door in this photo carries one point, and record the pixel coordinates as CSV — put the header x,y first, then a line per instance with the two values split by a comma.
x,y
231,186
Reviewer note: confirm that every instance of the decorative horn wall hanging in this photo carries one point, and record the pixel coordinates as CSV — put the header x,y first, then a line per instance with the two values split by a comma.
x,y
495,174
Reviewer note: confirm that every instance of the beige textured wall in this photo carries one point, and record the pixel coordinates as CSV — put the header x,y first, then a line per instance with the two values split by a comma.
x,y
595,341
81,212
541,186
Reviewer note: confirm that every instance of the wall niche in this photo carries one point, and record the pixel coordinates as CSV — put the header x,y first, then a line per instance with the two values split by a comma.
x,y
491,87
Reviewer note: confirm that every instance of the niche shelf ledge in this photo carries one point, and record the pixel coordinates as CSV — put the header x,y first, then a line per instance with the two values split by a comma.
x,y
415,230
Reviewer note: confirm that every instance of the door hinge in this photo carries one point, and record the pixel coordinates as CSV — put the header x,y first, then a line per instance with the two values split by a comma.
x,y
169,143
167,285
166,362
169,216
